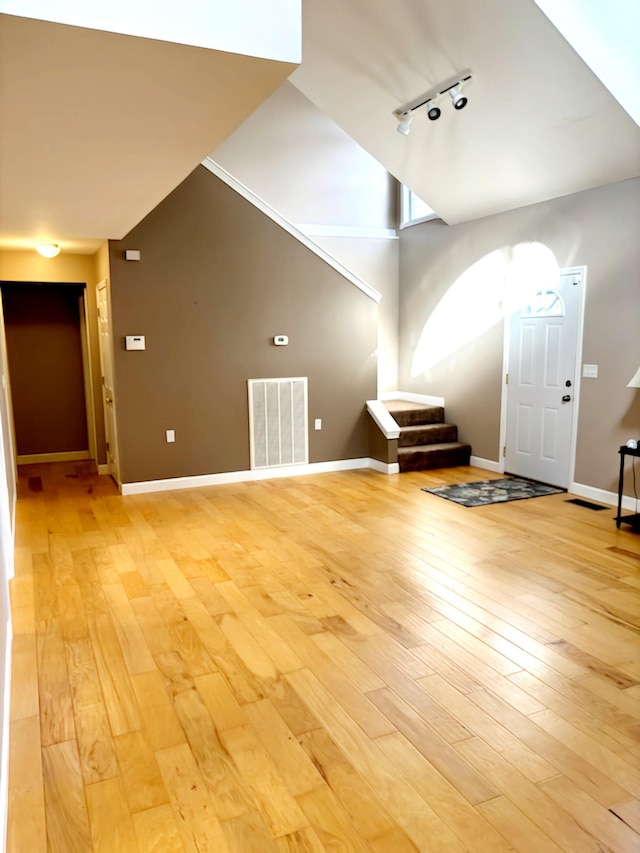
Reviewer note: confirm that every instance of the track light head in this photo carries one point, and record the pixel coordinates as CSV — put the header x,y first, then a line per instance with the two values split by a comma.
x,y
433,111
405,124
458,100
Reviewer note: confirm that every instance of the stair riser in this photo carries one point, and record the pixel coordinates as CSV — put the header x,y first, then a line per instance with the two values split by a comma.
x,y
428,460
431,434
434,415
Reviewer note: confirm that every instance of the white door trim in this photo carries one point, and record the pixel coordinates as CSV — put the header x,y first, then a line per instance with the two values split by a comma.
x,y
116,454
582,272
87,372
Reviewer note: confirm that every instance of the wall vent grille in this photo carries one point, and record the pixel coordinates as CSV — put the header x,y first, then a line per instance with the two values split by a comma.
x,y
278,422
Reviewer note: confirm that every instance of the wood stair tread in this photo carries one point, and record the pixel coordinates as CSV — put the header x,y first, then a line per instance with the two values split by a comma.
x,y
425,448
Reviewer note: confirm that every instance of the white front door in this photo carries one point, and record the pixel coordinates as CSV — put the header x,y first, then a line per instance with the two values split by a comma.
x,y
106,370
541,383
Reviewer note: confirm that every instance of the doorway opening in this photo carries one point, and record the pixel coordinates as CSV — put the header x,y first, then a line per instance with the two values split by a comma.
x,y
49,366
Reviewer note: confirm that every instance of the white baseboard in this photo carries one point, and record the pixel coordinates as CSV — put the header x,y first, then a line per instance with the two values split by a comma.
x,y
6,728
200,480
65,456
426,399
103,469
384,467
602,496
486,464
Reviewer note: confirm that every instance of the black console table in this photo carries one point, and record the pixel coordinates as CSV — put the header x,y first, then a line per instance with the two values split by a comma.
x,y
627,519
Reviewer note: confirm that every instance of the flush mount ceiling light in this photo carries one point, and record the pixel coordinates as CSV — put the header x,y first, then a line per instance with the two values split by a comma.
x,y
429,101
48,250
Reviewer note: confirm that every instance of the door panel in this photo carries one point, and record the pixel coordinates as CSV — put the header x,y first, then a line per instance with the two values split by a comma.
x,y
542,373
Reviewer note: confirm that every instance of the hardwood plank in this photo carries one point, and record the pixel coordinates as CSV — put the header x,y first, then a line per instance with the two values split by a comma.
x,y
56,711
443,797
24,677
130,636
193,809
528,797
294,765
111,825
369,815
66,812
119,698
222,705
248,832
143,786
497,736
157,831
231,796
411,812
26,828
331,822
276,802
516,827
160,721
600,822
629,812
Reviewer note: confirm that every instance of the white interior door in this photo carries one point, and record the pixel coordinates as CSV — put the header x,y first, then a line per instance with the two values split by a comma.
x,y
541,383
106,370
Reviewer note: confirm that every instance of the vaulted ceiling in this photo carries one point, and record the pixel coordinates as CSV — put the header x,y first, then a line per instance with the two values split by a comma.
x,y
538,123
96,128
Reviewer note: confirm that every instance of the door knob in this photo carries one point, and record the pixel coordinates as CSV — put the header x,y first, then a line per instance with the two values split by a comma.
x,y
566,398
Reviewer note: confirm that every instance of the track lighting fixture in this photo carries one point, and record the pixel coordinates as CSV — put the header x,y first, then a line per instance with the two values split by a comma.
x,y
429,101
405,124
458,100
433,110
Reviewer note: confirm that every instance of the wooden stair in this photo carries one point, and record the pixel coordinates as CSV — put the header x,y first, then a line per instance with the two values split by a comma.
x,y
426,441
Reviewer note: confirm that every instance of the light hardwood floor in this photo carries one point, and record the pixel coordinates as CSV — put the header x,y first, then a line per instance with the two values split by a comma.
x,y
339,662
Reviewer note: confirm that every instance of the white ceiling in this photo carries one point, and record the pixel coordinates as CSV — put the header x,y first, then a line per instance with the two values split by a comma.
x,y
538,124
97,128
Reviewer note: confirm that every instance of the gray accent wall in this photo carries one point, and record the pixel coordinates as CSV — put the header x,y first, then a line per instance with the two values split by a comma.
x,y
598,228
216,281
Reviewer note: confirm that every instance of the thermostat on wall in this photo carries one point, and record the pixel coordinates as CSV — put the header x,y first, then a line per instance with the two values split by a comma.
x,y
132,255
281,340
134,342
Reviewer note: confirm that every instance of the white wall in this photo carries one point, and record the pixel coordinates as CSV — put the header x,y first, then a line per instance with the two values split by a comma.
x,y
270,30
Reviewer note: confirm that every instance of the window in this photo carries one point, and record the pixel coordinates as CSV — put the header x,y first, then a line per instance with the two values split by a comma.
x,y
413,209
546,303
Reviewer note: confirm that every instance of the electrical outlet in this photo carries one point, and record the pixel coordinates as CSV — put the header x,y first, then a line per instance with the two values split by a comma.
x,y
318,423
171,436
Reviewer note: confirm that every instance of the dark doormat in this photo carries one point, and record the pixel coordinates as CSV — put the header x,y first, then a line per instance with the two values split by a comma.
x,y
493,491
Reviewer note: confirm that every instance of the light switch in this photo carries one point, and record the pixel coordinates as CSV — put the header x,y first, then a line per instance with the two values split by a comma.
x,y
171,436
134,342
590,371
317,423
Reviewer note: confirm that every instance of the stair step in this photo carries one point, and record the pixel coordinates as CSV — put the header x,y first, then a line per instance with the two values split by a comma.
x,y
426,457
410,436
410,414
